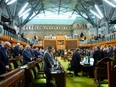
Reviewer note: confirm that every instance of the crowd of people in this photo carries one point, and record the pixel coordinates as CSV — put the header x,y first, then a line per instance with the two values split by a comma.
x,y
30,53
85,55
7,52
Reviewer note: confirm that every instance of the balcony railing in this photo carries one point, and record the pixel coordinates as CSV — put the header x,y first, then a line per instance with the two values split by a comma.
x,y
40,43
105,38
15,36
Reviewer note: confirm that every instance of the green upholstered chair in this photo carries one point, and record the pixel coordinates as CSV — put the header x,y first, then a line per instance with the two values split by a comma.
x,y
19,62
40,82
38,74
12,67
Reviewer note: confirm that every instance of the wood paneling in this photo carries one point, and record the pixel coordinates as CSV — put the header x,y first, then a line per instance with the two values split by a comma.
x,y
49,43
15,80
71,44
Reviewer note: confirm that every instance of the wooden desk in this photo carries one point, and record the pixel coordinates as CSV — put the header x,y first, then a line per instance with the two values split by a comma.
x,y
15,80
60,78
87,69
8,74
111,74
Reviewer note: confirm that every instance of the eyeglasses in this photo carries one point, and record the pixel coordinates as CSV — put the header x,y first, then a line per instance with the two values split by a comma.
x,y
8,46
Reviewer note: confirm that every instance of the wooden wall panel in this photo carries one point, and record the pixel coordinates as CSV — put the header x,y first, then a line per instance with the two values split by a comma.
x,y
71,44
49,43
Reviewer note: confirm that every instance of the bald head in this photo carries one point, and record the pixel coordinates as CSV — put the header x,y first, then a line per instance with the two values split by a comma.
x,y
18,44
7,45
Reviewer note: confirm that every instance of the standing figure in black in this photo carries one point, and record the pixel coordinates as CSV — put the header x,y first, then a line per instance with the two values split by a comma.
x,y
75,63
97,55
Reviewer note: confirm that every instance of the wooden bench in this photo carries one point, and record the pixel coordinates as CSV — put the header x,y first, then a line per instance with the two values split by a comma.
x,y
15,80
111,74
8,74
100,71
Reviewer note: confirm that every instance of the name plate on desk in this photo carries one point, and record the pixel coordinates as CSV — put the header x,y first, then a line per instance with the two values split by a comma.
x,y
24,66
57,71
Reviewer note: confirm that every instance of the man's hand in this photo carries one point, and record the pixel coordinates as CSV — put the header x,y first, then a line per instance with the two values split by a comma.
x,y
7,67
115,66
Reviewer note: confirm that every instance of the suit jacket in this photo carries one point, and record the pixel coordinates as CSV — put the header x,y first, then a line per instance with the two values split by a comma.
x,y
75,63
16,51
115,55
97,55
38,53
48,62
4,60
0,45
26,56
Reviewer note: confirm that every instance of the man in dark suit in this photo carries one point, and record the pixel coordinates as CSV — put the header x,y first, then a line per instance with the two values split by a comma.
x,y
49,64
97,55
0,43
4,59
75,63
27,56
38,53
115,55
16,50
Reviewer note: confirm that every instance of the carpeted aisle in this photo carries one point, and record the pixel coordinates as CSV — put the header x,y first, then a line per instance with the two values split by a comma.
x,y
77,81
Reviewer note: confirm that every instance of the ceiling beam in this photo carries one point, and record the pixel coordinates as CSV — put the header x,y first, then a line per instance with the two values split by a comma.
x,y
8,11
86,11
31,18
31,13
59,6
111,14
1,2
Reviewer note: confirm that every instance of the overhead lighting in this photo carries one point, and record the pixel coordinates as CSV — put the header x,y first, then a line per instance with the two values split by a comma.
x,y
32,15
10,2
84,15
111,4
25,16
99,11
95,14
23,8
6,1
25,12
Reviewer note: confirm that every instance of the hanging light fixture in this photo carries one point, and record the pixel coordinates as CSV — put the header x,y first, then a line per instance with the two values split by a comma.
x,y
94,13
10,2
111,4
23,8
25,12
99,11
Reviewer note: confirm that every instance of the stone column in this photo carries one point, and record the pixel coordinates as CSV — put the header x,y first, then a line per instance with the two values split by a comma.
x,y
0,13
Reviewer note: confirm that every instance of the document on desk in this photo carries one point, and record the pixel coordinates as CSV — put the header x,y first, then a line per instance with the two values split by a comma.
x,y
24,66
56,71
53,72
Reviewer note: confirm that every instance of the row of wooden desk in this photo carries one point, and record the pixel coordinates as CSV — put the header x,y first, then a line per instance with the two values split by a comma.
x,y
21,76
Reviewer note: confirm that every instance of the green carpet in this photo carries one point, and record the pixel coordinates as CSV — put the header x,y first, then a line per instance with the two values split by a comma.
x,y
78,81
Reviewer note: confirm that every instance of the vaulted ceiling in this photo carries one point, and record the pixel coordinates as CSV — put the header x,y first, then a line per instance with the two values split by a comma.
x,y
59,7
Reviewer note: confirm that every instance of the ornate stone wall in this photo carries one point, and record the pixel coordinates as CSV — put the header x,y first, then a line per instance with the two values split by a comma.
x,y
46,30
80,27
